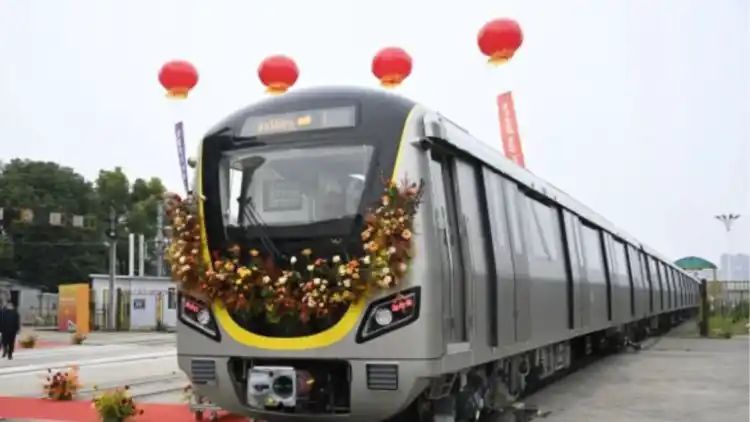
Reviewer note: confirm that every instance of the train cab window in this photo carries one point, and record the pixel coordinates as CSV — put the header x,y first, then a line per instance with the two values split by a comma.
x,y
294,186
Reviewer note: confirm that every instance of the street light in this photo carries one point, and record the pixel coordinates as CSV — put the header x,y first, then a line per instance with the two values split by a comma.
x,y
728,220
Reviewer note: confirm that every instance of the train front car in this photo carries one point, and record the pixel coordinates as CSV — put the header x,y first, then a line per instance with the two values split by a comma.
x,y
290,175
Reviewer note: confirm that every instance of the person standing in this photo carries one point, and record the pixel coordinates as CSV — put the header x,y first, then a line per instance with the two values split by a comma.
x,y
11,325
2,312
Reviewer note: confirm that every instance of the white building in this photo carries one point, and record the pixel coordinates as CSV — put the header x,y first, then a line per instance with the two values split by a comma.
x,y
34,306
146,302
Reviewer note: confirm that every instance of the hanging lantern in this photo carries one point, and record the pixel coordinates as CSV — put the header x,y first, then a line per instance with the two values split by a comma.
x,y
499,39
278,74
178,77
391,66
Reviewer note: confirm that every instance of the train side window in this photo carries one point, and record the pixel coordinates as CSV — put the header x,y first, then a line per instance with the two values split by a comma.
x,y
510,193
618,253
495,199
592,248
544,227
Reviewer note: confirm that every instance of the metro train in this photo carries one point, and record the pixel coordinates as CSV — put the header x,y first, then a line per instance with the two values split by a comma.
x,y
511,279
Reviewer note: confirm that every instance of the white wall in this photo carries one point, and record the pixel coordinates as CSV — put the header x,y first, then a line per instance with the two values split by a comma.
x,y
147,295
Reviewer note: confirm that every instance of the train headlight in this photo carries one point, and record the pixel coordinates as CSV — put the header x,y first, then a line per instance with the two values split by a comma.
x,y
204,318
389,313
197,314
383,316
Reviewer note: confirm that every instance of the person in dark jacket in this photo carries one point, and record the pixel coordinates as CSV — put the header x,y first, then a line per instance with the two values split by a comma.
x,y
10,326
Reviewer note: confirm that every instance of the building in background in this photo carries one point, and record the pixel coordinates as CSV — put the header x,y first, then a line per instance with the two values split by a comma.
x,y
734,266
35,306
143,302
698,267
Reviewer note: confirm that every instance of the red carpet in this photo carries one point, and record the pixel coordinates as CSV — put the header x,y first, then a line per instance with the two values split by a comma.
x,y
81,411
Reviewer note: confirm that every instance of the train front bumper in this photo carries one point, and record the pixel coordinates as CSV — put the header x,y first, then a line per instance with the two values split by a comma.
x,y
374,395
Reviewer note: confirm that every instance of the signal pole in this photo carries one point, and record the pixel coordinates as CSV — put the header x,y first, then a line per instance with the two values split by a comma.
x,y
112,235
160,239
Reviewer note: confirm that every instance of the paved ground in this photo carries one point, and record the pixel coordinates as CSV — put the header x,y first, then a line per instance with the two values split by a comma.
x,y
675,378
145,361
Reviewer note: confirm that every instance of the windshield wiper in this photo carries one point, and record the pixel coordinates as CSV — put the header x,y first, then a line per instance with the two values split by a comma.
x,y
253,216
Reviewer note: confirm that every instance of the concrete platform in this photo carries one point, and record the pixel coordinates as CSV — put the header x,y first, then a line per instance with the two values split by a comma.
x,y
674,378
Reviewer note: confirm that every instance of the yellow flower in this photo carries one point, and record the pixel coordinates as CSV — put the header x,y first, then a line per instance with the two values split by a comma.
x,y
254,252
307,252
406,234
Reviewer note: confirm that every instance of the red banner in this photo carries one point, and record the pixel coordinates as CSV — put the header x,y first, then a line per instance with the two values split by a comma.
x,y
509,128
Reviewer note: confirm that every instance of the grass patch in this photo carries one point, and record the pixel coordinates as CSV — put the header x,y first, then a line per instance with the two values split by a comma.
x,y
726,326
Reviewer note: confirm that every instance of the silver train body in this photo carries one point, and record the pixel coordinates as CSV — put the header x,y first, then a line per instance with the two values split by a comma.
x,y
509,276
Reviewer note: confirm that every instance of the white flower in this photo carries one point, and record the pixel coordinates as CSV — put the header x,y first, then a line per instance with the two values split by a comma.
x,y
266,279
316,281
366,260
342,269
310,267
347,283
336,259
293,260
282,280
391,250
386,270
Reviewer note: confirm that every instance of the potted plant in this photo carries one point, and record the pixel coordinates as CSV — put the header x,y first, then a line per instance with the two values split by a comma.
x,y
77,338
28,342
62,385
116,405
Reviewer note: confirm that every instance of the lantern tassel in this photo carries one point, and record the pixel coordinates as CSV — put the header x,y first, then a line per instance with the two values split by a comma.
x,y
391,81
500,58
178,93
277,88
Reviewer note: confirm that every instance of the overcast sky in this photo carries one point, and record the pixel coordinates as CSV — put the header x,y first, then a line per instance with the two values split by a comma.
x,y
640,109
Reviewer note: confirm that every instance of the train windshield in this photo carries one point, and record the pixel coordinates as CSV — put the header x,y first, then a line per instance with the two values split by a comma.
x,y
294,186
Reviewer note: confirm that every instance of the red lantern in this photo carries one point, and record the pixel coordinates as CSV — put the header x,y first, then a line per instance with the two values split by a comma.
x,y
178,77
391,66
278,73
499,39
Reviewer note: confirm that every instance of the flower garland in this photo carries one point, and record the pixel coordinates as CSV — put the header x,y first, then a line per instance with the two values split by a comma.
x,y
308,286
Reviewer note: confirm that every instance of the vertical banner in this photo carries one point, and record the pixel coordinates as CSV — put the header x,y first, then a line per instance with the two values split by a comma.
x,y
179,134
509,128
73,308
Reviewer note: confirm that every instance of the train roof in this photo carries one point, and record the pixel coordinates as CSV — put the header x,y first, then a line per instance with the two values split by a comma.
x,y
300,99
463,140
306,98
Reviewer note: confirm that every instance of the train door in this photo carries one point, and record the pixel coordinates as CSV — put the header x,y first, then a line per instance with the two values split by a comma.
x,y
442,175
501,294
520,261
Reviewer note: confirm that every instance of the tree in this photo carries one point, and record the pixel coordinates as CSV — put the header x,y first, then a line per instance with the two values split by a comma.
x,y
50,255
113,189
40,252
